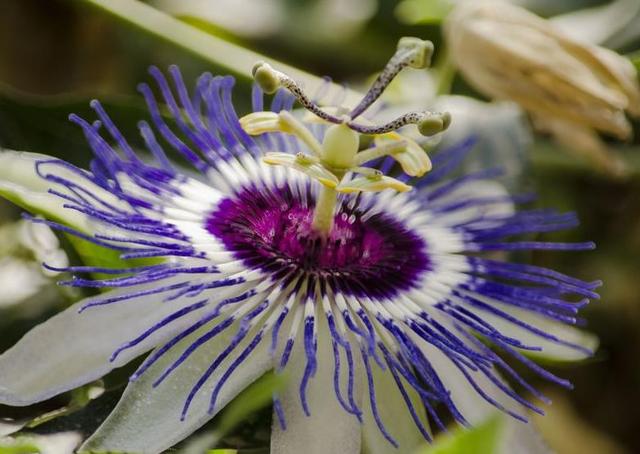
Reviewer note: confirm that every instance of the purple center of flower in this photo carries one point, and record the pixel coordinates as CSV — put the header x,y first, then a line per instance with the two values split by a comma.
x,y
272,230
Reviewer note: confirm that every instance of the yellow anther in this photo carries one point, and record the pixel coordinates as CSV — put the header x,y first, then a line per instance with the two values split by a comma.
x,y
305,160
257,123
368,171
373,183
262,122
412,158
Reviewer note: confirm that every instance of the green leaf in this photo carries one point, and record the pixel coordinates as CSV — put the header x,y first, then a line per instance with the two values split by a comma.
x,y
482,439
414,12
18,447
107,452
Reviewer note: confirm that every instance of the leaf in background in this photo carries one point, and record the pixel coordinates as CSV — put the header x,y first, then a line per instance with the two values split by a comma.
x,y
63,442
18,447
547,156
481,439
423,11
41,123
81,419
434,11
245,18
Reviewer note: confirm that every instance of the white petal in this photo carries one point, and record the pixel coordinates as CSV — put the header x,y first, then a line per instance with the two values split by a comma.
x,y
19,280
599,24
20,183
58,443
395,415
71,348
476,190
7,427
550,349
147,419
18,167
502,131
473,407
329,429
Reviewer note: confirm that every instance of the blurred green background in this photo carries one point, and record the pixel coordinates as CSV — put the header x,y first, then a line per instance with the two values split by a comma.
x,y
56,55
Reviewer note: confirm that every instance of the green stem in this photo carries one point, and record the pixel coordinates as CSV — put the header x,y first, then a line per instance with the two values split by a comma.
x,y
324,212
221,53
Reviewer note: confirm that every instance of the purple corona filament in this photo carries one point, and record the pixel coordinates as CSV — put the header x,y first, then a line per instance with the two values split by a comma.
x,y
397,287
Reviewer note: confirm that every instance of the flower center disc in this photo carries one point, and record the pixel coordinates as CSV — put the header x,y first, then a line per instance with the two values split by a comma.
x,y
364,253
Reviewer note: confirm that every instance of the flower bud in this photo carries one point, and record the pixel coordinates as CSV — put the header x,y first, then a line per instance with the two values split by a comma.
x,y
506,52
